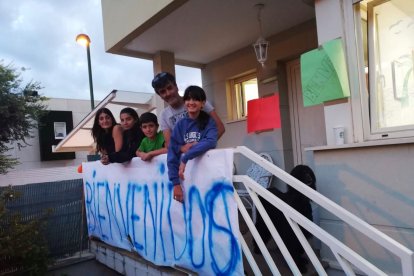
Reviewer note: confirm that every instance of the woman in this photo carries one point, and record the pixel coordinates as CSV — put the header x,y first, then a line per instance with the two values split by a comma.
x,y
191,137
107,134
132,136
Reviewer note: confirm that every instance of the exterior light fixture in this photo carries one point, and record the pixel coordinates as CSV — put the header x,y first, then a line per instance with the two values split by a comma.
x,y
85,41
261,45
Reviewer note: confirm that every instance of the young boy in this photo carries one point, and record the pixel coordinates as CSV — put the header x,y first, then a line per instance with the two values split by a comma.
x,y
153,144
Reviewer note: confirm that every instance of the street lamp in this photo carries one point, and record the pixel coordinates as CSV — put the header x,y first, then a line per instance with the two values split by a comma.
x,y
84,40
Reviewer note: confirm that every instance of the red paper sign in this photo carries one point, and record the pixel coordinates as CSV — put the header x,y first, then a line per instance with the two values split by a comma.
x,y
263,114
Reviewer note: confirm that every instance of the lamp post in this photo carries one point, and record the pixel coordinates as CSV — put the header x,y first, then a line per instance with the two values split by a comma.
x,y
84,40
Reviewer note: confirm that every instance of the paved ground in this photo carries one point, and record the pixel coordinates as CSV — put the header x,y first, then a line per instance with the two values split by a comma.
x,y
89,267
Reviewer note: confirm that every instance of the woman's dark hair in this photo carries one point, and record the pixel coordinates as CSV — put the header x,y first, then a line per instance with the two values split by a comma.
x,y
98,133
131,112
134,132
197,93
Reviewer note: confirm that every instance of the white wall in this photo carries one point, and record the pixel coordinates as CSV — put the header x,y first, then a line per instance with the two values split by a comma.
x,y
376,184
331,26
370,180
29,156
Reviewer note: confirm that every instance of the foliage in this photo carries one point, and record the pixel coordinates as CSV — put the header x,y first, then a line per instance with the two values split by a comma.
x,y
23,247
20,107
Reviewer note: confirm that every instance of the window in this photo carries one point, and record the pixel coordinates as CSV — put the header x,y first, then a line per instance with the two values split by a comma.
x,y
387,34
60,130
241,90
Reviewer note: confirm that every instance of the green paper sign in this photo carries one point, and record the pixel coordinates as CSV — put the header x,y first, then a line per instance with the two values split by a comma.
x,y
323,73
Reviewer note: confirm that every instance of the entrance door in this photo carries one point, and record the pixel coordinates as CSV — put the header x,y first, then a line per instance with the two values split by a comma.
x,y
307,123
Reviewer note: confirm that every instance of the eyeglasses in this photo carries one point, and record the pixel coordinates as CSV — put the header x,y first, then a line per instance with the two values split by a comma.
x,y
159,78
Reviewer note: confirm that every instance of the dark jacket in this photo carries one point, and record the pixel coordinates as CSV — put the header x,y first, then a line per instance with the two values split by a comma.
x,y
131,139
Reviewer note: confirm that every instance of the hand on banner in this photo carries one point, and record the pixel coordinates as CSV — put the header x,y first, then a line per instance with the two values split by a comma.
x,y
105,159
178,193
146,156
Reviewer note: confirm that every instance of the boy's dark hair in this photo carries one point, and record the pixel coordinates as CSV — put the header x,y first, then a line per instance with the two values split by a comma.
x,y
148,117
161,80
197,93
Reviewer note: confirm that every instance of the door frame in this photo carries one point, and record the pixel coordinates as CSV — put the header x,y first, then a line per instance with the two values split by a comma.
x,y
293,110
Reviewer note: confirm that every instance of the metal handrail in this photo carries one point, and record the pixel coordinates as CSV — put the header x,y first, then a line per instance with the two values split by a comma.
x,y
343,253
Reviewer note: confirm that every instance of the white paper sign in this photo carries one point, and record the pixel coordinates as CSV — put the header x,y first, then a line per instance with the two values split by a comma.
x,y
131,206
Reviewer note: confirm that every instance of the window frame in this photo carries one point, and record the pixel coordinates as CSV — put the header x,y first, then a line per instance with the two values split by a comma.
x,y
368,104
235,99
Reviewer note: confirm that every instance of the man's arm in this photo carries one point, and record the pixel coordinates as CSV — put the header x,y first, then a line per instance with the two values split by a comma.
x,y
167,137
219,123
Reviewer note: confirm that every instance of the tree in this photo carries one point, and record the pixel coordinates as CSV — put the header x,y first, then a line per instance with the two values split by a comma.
x,y
23,247
20,107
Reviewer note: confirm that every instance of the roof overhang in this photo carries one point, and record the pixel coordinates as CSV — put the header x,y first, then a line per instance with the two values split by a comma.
x,y
197,31
80,138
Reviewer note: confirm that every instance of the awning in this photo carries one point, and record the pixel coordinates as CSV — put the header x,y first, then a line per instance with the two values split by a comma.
x,y
80,138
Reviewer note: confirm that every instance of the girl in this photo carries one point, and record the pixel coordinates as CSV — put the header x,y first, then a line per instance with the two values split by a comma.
x,y
132,136
193,135
106,133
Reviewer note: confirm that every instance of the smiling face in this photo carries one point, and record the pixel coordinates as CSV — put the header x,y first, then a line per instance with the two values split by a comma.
x,y
127,121
105,121
149,129
193,107
169,93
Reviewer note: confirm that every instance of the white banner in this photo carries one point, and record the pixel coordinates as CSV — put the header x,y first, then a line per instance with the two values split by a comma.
x,y
131,206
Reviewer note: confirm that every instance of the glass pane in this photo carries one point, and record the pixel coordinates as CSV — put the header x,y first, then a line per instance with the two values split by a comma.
x,y
250,92
239,100
394,58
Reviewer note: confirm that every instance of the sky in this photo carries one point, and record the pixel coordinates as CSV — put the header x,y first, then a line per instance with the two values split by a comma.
x,y
38,39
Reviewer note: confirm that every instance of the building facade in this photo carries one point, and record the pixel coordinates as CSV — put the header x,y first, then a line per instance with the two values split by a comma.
x,y
37,162
370,174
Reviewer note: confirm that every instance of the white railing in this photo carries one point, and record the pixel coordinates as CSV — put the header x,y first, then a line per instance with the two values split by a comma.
x,y
346,257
